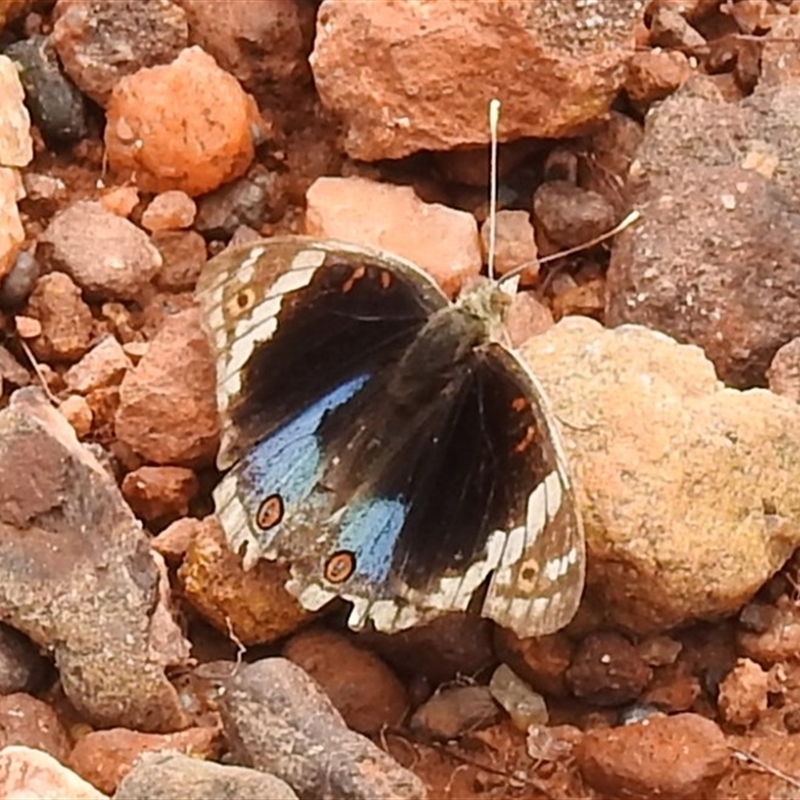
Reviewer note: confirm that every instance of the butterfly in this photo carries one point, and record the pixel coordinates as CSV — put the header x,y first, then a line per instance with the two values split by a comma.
x,y
384,442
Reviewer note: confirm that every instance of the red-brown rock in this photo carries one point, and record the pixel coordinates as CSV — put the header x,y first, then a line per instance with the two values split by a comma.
x,y
65,319
254,606
169,211
389,69
25,720
662,757
160,493
743,693
364,690
194,145
31,774
441,240
104,758
103,366
167,409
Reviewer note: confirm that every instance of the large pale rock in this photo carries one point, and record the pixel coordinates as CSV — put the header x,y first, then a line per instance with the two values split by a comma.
x,y
690,491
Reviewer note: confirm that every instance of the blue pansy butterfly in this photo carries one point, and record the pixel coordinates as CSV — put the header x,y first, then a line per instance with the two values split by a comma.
x,y
384,442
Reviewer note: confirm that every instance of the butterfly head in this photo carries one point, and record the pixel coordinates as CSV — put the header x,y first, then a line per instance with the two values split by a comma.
x,y
487,301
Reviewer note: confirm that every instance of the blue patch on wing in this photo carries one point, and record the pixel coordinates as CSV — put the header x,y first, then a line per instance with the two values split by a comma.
x,y
287,462
370,530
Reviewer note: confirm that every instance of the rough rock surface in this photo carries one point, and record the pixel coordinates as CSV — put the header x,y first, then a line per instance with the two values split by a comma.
x,y
97,598
690,491
106,255
168,411
680,757
33,775
278,720
449,249
165,776
716,258
194,145
410,56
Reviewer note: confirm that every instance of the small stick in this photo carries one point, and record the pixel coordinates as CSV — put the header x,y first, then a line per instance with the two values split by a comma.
x,y
37,369
743,755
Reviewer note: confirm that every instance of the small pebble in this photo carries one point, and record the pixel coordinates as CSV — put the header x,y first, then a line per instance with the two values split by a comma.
x,y
27,327
169,211
524,706
76,410
453,712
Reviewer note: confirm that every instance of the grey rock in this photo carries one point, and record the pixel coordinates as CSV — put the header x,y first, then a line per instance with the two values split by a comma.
x,y
278,720
78,577
168,775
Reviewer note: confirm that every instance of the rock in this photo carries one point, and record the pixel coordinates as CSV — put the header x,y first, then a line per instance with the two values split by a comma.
x,y
101,41
160,493
389,72
184,255
678,476
34,775
449,248
77,411
168,411
22,668
779,61
104,758
515,245
717,215
656,74
169,211
103,366
527,316
541,661
194,145
252,605
749,779
523,705
258,197
606,670
451,645
108,256
16,144
27,721
570,216
120,200
11,371
20,281
56,105
66,320
552,744
27,327
277,720
455,711
165,776
659,651
263,43
99,600
784,370
639,760
674,688
12,234
743,693
176,539
779,638
361,687
669,29
44,194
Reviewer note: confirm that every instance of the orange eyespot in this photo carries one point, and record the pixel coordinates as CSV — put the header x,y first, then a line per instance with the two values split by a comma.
x,y
519,404
340,566
270,512
242,301
386,279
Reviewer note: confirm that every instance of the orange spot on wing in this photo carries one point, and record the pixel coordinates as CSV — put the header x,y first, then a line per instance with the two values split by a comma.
x,y
527,440
270,512
357,275
386,279
340,566
519,404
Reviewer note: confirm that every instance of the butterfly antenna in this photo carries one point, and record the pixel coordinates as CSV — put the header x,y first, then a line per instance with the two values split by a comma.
x,y
494,119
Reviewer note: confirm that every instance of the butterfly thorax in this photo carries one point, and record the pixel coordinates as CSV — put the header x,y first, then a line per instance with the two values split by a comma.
x,y
439,354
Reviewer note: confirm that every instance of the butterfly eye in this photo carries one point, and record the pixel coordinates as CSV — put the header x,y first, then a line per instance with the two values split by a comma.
x,y
242,301
270,512
340,566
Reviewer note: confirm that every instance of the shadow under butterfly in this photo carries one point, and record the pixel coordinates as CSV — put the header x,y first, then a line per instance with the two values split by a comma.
x,y
384,442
